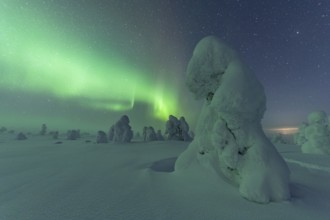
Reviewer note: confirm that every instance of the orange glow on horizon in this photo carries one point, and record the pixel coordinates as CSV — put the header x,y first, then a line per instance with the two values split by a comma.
x,y
285,130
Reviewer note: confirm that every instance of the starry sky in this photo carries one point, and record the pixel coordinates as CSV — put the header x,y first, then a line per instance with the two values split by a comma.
x,y
83,63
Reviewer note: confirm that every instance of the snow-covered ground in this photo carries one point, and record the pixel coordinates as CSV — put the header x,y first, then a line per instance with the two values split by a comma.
x,y
79,180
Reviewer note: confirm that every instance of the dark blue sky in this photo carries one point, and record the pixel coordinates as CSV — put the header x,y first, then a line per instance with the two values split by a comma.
x,y
285,42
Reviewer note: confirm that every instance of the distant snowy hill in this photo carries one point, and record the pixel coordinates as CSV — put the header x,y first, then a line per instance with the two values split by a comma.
x,y
78,180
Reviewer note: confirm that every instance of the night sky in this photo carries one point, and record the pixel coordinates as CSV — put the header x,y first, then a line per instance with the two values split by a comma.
x,y
83,63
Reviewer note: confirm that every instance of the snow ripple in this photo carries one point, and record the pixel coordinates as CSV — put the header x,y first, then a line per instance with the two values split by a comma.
x,y
308,165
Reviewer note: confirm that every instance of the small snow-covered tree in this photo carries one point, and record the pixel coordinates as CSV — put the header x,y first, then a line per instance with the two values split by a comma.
x,y
229,138
299,138
111,132
144,133
177,129
121,131
151,134
3,129
55,135
184,129
314,137
43,129
101,137
278,138
172,129
159,135
73,134
21,136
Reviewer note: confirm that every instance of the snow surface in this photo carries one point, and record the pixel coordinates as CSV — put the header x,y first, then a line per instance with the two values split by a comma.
x,y
83,180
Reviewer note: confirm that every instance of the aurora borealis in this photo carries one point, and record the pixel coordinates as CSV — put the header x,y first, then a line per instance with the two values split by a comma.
x,y
42,56
85,63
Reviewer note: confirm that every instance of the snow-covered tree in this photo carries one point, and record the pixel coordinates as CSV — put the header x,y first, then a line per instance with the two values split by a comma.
x,y
229,137
159,135
314,137
144,133
278,138
184,129
121,131
101,137
172,129
73,134
150,134
55,135
43,129
177,129
21,136
3,129
299,138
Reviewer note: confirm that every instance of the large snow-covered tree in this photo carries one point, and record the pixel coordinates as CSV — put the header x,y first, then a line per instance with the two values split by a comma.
x,y
228,136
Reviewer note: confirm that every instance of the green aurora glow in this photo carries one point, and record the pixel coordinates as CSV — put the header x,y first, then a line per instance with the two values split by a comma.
x,y
37,55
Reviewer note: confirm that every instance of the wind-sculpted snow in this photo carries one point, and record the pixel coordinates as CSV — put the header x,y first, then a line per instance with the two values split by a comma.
x,y
309,165
229,137
313,162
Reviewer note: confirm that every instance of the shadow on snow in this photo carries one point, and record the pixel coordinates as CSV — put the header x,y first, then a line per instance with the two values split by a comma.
x,y
165,165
